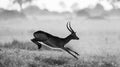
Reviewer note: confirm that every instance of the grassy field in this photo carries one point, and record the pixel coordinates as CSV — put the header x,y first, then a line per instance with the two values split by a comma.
x,y
44,58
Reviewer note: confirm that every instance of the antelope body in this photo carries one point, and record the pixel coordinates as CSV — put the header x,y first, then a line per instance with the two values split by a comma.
x,y
54,41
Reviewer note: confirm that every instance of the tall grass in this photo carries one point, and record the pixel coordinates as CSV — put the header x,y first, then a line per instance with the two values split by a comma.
x,y
25,58
22,45
25,54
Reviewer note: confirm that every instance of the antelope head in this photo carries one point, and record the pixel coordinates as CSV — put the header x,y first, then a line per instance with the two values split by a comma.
x,y
73,34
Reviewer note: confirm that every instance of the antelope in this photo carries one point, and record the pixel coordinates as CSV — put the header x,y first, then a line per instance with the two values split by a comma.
x,y
54,41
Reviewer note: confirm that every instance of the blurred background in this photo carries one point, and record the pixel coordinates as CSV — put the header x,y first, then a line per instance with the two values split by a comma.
x,y
95,21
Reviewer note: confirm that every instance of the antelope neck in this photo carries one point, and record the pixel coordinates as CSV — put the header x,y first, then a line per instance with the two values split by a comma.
x,y
67,39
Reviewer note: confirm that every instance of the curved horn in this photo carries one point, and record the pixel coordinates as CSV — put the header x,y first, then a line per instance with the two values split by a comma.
x,y
68,27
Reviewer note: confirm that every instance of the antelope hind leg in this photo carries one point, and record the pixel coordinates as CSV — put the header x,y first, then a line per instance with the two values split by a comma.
x,y
36,42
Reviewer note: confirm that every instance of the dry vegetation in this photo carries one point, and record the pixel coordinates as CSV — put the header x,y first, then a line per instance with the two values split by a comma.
x,y
18,54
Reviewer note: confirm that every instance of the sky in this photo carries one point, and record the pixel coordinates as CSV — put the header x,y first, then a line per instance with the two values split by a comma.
x,y
61,5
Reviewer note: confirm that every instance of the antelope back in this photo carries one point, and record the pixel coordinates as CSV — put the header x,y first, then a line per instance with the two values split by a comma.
x,y
40,35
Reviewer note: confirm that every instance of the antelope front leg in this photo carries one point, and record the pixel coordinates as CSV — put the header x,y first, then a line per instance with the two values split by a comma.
x,y
36,42
70,53
72,50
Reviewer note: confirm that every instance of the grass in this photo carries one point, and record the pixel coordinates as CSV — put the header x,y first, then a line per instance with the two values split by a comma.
x,y
22,45
25,54
19,45
19,54
26,58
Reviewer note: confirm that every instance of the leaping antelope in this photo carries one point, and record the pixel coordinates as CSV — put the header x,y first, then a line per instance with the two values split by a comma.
x,y
54,41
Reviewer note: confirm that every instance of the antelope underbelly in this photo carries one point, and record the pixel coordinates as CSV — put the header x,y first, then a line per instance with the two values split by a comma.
x,y
49,43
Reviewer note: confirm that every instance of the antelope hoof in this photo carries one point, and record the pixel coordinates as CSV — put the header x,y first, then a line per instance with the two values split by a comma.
x,y
39,46
76,58
77,54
